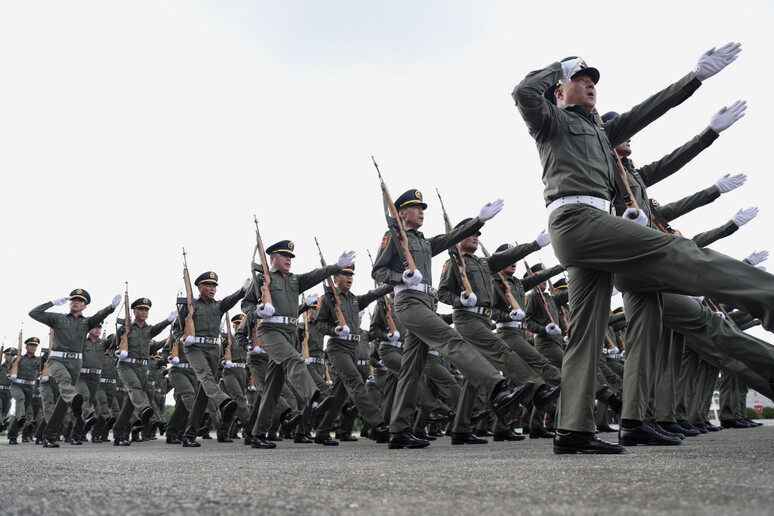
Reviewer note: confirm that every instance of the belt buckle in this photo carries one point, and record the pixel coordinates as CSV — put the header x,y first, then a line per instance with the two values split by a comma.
x,y
356,338
292,321
70,355
487,312
431,290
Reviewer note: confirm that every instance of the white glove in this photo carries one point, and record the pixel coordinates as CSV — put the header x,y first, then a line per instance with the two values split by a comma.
x,y
712,61
490,209
727,116
565,340
640,219
719,314
761,267
122,353
412,279
516,315
228,364
252,388
468,300
615,292
553,329
308,361
394,336
570,68
758,257
189,340
742,217
61,301
174,360
543,239
172,316
255,351
43,379
264,310
12,376
728,182
613,351
311,299
247,283
341,331
116,301
346,259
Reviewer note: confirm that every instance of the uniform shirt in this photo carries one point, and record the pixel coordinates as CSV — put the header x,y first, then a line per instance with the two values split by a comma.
x,y
501,310
574,150
109,370
389,264
93,351
68,329
536,318
379,325
351,304
28,367
207,316
4,372
316,339
285,290
479,271
140,337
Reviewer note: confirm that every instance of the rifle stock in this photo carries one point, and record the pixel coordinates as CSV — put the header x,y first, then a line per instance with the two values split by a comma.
x,y
504,287
542,297
15,366
44,369
305,342
334,294
392,211
124,344
229,340
387,308
456,255
265,296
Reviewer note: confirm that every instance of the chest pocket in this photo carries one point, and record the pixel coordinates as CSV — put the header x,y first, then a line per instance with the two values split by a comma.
x,y
581,138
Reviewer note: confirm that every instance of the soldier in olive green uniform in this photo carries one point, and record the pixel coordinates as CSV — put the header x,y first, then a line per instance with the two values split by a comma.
x,y
106,396
88,383
203,352
579,175
64,362
543,319
343,352
278,334
471,316
5,386
414,306
22,387
183,380
234,376
133,367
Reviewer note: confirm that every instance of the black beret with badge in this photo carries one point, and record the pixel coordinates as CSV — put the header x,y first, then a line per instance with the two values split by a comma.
x,y
206,278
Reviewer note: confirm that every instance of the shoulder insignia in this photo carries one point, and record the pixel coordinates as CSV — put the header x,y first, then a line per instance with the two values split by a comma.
x,y
384,242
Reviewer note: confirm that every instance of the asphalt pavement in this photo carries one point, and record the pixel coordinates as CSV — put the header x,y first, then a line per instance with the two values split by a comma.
x,y
727,472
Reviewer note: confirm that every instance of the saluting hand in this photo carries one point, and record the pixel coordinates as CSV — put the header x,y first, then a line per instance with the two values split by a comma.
x,y
490,209
172,316
116,301
757,257
742,217
61,301
543,238
714,60
727,116
728,182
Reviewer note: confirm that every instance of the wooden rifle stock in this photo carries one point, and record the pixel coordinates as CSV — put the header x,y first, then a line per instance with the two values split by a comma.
x,y
456,254
506,289
15,366
387,308
334,294
540,292
628,196
305,342
562,314
124,344
265,296
392,211
44,369
229,340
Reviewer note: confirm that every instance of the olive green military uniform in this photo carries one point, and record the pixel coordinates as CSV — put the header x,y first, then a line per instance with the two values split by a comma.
x,y
414,307
204,354
279,340
536,320
473,324
21,390
106,398
5,392
88,382
133,371
316,361
64,362
343,353
235,378
183,380
593,245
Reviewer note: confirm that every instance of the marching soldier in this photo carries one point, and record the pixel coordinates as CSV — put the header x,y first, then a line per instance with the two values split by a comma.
x,y
414,306
88,384
234,377
183,380
22,387
133,367
543,320
5,385
106,396
64,362
278,332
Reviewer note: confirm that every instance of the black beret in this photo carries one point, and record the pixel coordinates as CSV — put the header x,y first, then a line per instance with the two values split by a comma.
x,y
79,293
143,302
207,277
283,246
410,198
585,70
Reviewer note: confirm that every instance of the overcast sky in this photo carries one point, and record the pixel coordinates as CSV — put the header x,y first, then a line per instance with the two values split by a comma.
x,y
131,129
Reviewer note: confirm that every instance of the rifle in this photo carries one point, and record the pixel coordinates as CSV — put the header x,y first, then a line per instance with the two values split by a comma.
x,y
305,342
336,301
189,330
124,344
387,308
265,294
44,369
229,340
562,314
622,180
397,227
456,254
15,366
542,297
506,289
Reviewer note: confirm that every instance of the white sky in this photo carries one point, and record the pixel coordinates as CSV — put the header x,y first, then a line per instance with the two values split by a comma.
x,y
131,129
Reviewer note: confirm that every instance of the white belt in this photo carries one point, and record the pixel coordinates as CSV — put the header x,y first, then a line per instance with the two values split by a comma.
x,y
207,340
362,362
182,365
140,361
355,338
598,203
107,380
311,360
510,324
433,352
280,319
24,382
481,310
396,344
66,354
422,287
90,371
7,387
240,365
